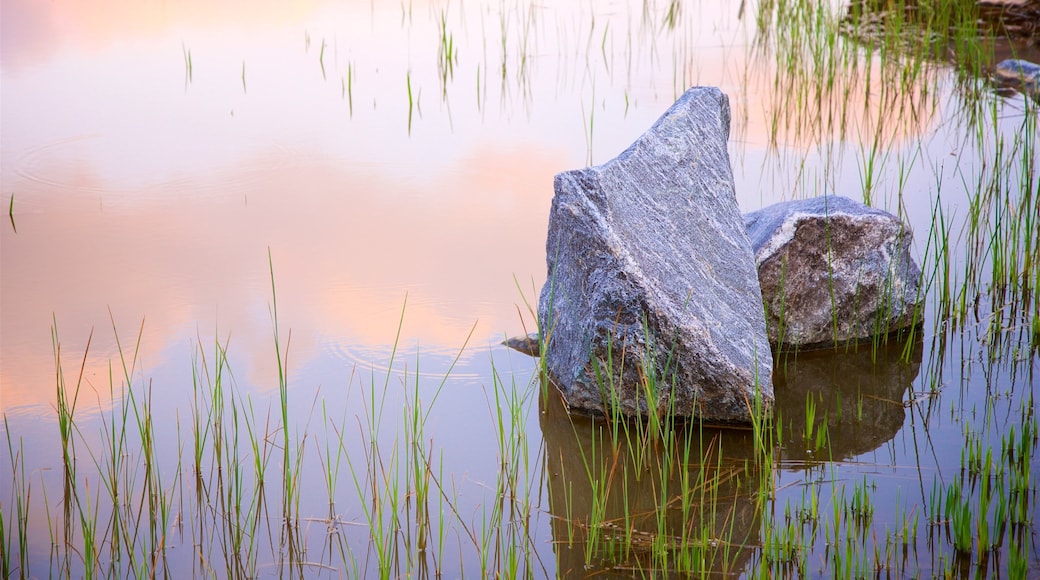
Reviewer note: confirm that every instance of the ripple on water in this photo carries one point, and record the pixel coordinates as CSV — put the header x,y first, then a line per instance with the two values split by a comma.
x,y
434,362
68,168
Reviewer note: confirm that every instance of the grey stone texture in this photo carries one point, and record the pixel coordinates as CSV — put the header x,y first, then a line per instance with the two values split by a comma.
x,y
833,270
652,303
527,344
1021,74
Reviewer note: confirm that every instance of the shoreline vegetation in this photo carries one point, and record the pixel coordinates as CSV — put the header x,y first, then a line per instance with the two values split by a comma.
x,y
366,483
653,496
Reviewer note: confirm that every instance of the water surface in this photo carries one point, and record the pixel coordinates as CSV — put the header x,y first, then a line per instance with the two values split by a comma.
x,y
391,165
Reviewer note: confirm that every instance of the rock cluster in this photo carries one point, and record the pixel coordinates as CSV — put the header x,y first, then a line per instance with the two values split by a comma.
x,y
661,299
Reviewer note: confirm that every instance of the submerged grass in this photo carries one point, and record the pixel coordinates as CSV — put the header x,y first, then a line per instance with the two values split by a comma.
x,y
10,214
648,496
144,512
625,496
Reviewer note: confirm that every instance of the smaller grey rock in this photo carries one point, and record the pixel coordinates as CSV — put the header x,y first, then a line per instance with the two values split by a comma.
x,y
527,344
1021,73
833,270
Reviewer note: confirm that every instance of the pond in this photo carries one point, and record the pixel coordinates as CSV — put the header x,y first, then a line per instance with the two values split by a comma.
x,y
259,259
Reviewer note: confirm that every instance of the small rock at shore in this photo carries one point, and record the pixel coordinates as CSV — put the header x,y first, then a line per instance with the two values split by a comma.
x,y
1021,74
527,344
833,270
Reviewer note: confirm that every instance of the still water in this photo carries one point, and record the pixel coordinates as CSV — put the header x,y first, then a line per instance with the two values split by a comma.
x,y
390,166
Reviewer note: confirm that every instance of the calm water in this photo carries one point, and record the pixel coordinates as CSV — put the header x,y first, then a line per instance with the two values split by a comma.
x,y
155,155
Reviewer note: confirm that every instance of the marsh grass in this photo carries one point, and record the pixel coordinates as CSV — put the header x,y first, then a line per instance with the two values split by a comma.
x,y
411,99
321,59
10,214
232,505
642,496
348,87
187,65
648,496
636,490
628,502
14,533
447,55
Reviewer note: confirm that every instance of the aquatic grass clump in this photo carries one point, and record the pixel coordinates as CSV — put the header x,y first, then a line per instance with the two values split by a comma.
x,y
232,505
1018,456
228,491
10,214
651,493
230,463
828,89
447,55
630,496
989,281
187,65
118,525
687,524
509,544
14,530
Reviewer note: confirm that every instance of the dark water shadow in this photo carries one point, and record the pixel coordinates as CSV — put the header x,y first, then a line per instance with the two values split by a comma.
x,y
624,506
837,404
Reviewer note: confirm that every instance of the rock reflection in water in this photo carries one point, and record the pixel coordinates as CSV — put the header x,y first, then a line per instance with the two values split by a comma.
x,y
622,506
856,399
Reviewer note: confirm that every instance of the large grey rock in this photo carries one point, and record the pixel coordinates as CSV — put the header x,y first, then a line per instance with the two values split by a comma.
x,y
833,270
651,280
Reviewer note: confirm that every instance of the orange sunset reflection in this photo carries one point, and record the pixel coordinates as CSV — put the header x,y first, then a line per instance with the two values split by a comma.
x,y
344,261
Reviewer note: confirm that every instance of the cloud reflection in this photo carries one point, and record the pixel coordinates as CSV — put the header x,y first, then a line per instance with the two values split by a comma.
x,y
348,245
